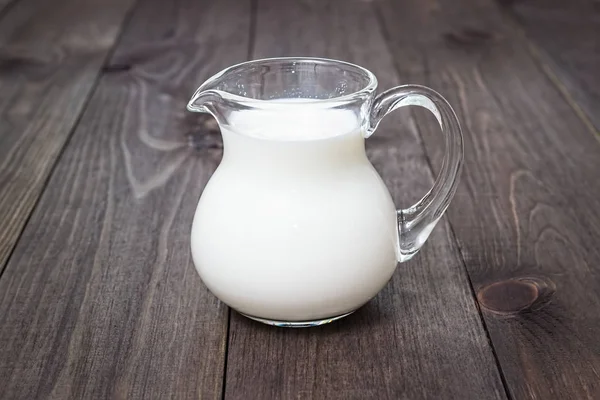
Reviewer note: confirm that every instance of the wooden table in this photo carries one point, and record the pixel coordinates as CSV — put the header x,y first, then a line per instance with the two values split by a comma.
x,y
101,167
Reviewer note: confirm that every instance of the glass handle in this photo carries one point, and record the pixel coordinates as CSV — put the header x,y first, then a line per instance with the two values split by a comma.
x,y
416,222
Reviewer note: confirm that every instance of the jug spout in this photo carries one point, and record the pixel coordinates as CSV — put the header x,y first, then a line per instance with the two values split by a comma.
x,y
204,100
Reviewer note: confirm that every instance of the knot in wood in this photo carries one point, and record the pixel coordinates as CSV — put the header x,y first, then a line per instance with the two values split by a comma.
x,y
515,295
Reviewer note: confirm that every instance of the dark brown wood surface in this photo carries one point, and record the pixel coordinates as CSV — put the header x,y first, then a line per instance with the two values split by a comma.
x,y
526,216
99,298
50,55
5,5
565,34
408,341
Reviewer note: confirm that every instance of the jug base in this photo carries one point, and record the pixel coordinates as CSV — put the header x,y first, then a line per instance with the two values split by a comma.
x,y
297,324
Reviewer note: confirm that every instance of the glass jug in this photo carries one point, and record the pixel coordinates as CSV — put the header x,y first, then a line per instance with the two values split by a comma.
x,y
295,227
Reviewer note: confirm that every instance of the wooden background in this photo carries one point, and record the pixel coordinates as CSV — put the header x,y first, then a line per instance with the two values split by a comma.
x,y
101,168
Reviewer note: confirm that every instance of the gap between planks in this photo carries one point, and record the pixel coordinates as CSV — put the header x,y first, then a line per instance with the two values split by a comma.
x,y
386,36
85,102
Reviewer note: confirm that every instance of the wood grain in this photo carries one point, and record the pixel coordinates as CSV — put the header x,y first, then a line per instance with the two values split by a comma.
x,y
422,336
51,53
567,33
100,298
526,217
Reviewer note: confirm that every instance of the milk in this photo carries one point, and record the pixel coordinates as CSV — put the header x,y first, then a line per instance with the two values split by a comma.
x,y
295,224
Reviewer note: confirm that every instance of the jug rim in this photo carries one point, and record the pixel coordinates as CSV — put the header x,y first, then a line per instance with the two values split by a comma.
x,y
367,89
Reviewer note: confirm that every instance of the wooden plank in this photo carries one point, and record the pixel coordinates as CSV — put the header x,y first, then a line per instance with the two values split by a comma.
x,y
51,53
526,217
567,33
100,298
407,342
